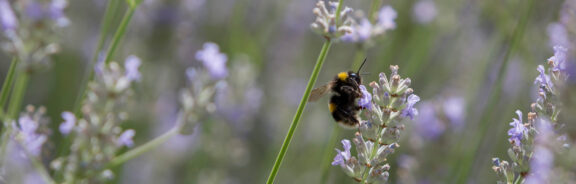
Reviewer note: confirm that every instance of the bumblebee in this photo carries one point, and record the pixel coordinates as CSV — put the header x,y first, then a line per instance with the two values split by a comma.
x,y
343,106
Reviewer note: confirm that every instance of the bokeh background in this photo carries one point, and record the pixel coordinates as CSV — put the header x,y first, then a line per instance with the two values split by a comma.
x,y
472,62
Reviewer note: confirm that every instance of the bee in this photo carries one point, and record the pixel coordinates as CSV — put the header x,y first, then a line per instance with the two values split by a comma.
x,y
343,106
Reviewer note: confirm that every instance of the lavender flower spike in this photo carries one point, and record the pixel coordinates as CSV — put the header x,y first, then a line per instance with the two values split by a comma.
x,y
213,60
518,130
68,124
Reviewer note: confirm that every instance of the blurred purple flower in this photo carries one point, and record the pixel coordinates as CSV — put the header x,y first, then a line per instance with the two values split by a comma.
x,y
359,32
213,60
518,129
54,11
132,64
410,111
68,124
366,100
559,58
125,138
343,156
386,17
542,161
455,110
7,18
424,11
428,125
190,73
30,139
558,35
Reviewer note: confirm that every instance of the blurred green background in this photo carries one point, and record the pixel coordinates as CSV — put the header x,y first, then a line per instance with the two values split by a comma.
x,y
482,51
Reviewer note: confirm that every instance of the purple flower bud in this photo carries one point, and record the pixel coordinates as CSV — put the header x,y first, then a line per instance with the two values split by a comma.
x,y
8,20
132,64
428,126
125,138
213,60
518,129
410,111
366,100
543,79
68,124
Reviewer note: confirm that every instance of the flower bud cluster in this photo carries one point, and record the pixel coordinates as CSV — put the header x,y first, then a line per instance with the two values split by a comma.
x,y
97,136
377,137
29,29
197,100
31,131
327,24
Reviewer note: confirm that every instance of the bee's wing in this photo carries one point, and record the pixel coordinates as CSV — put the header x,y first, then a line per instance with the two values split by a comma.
x,y
319,92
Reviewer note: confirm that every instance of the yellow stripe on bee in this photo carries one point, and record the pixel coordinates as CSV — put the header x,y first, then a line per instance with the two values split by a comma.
x,y
332,107
343,76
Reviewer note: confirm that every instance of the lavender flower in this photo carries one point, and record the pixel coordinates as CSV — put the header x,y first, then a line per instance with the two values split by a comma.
x,y
455,110
27,130
428,125
364,31
424,11
386,17
558,35
7,18
366,100
132,64
125,138
559,58
343,156
518,130
68,124
213,60
410,111
326,23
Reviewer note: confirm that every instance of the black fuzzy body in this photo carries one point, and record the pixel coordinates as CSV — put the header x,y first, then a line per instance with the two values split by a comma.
x,y
343,105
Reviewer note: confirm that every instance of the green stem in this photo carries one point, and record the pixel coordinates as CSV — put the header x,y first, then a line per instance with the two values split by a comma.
x,y
143,148
8,81
18,95
328,154
104,30
373,8
298,115
120,32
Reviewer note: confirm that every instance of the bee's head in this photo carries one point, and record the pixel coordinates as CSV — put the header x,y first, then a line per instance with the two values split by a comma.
x,y
354,77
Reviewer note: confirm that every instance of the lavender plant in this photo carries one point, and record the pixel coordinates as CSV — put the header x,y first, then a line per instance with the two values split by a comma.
x,y
530,139
331,22
391,102
97,137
